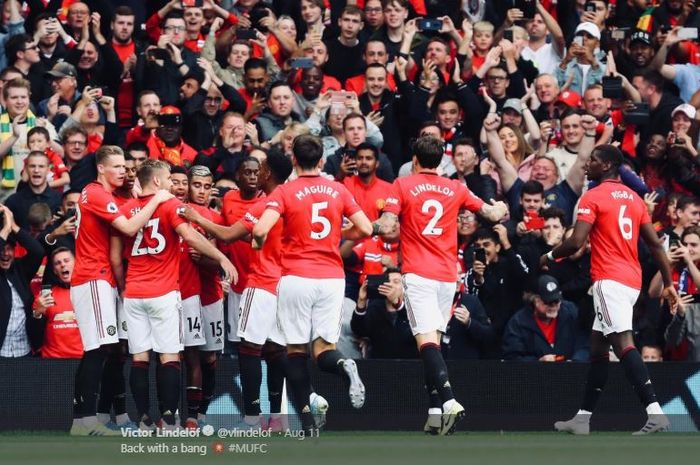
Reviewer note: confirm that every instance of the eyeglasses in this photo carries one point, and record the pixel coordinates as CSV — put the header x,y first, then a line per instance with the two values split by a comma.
x,y
76,143
214,99
174,28
496,78
466,219
373,10
31,47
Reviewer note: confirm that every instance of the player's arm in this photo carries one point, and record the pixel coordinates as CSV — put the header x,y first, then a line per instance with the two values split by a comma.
x,y
131,226
231,233
570,245
657,252
493,211
361,227
265,224
203,246
385,224
116,250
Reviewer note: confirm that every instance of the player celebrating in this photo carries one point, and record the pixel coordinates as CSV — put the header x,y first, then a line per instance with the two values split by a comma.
x,y
614,217
93,286
311,289
201,359
151,297
258,329
427,205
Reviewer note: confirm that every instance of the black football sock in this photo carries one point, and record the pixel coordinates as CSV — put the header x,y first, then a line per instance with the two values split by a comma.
x,y
436,370
331,361
113,386
169,381
637,375
138,380
77,398
208,385
434,397
251,377
194,400
90,376
299,380
276,359
597,377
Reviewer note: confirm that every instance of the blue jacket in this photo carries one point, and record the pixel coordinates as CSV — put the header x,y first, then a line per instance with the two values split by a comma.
x,y
523,340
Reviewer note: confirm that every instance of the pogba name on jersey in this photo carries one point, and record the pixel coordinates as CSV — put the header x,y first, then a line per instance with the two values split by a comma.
x,y
318,189
426,187
617,195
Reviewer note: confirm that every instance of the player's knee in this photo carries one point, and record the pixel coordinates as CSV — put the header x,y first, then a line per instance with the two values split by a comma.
x,y
167,358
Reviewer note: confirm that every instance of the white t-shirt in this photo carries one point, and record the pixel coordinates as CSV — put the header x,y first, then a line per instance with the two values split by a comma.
x,y
545,58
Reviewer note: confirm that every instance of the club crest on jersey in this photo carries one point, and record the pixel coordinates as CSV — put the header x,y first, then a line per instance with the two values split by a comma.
x,y
380,204
111,330
112,207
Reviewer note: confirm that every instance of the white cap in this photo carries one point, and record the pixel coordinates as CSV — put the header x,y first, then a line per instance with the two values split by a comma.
x,y
686,108
590,28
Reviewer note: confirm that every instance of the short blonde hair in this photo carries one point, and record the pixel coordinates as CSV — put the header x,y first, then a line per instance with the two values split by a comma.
x,y
296,128
483,26
520,33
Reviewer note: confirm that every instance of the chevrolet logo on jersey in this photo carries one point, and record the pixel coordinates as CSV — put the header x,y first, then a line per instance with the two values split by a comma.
x,y
68,315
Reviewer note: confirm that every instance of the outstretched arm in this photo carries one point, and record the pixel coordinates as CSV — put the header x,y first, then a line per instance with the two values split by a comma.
x,y
265,223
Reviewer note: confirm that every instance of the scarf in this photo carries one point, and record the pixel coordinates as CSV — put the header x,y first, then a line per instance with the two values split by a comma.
x,y
8,163
172,155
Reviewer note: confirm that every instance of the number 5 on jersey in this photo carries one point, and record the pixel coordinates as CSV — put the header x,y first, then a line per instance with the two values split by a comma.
x,y
316,217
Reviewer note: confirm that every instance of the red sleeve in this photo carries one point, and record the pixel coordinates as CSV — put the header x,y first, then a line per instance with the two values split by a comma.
x,y
58,166
471,201
393,201
419,6
360,250
276,201
350,207
587,209
232,19
250,219
103,205
153,27
171,207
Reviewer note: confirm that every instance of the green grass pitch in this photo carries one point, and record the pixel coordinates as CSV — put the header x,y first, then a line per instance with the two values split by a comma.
x,y
360,448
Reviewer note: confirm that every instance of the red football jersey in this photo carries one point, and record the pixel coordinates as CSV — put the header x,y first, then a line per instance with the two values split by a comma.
x,y
189,271
96,211
154,253
210,281
616,213
427,206
61,336
371,198
240,252
370,254
265,268
312,208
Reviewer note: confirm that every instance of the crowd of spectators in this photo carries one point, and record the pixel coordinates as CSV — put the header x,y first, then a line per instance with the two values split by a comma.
x,y
211,82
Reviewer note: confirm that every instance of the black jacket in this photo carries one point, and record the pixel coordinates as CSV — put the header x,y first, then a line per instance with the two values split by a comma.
x,y
384,172
199,129
523,340
466,342
389,333
24,198
20,274
390,108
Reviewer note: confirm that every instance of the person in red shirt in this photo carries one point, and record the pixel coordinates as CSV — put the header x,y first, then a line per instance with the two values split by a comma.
x,y
367,189
152,303
614,218
93,285
61,335
428,205
148,109
208,322
166,142
312,285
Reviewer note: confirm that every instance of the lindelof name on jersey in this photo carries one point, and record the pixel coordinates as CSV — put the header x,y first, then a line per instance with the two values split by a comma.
x,y
617,195
427,187
320,189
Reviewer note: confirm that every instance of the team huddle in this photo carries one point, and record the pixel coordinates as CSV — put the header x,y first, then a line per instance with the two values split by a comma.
x,y
150,269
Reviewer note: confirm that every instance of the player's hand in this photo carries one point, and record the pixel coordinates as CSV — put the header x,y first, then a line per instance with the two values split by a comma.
x,y
670,295
230,273
500,208
548,358
195,256
163,196
189,213
462,315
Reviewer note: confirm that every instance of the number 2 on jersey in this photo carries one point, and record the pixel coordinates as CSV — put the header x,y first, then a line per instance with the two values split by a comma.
x,y
430,229
137,250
